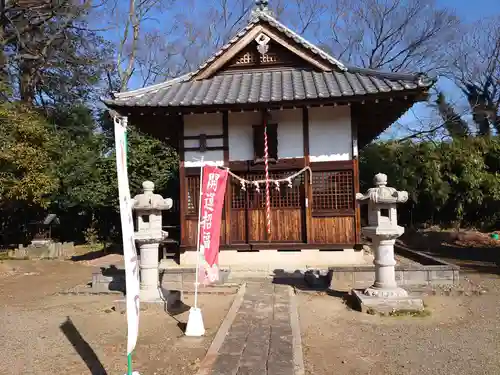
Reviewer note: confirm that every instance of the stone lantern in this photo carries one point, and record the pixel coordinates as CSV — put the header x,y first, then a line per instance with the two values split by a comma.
x,y
383,229
148,208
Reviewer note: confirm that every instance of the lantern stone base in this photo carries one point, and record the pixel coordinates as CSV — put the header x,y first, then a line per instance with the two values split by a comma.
x,y
386,305
396,292
171,302
150,295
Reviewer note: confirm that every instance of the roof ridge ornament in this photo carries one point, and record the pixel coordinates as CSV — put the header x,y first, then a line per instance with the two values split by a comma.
x,y
262,43
261,7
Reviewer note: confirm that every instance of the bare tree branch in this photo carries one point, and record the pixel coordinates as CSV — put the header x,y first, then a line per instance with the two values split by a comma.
x,y
475,68
392,35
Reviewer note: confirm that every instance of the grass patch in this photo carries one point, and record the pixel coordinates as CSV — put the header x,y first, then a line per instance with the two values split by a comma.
x,y
418,314
89,248
401,313
6,257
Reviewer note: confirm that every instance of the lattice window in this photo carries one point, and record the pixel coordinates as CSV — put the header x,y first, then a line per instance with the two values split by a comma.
x,y
246,59
332,191
193,194
284,198
269,58
272,142
288,197
239,196
254,58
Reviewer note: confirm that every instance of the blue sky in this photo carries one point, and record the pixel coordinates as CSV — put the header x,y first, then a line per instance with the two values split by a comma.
x,y
471,10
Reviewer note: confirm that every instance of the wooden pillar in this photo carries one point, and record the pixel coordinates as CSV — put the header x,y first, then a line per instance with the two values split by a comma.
x,y
308,176
182,183
227,198
355,166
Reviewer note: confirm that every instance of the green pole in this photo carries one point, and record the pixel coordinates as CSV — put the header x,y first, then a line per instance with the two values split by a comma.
x,y
129,364
126,142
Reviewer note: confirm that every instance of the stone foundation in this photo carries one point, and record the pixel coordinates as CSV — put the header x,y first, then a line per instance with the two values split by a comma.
x,y
381,305
267,261
112,280
50,250
363,277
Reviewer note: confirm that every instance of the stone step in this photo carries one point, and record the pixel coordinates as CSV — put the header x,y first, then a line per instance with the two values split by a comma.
x,y
182,279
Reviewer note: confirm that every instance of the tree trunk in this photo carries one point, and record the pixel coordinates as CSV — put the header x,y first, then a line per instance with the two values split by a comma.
x,y
27,82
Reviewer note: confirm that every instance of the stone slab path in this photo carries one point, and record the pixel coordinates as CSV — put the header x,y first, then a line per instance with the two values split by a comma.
x,y
260,336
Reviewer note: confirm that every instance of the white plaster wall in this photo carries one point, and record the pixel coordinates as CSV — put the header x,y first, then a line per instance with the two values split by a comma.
x,y
290,135
330,134
209,124
241,134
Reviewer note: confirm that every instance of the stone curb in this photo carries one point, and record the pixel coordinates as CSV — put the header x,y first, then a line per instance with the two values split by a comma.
x,y
298,357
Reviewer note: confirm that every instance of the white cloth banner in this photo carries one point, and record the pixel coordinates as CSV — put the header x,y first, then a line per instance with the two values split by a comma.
x,y
129,250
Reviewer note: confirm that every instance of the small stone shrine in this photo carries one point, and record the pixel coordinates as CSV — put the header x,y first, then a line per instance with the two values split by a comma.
x,y
383,229
148,208
43,230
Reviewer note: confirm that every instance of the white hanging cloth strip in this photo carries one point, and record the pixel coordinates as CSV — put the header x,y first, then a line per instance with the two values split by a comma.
x,y
256,183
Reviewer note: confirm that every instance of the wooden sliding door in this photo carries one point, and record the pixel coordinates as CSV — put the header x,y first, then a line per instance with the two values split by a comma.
x,y
249,213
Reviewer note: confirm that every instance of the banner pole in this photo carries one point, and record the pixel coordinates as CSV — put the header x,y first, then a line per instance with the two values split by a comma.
x,y
197,282
129,251
129,356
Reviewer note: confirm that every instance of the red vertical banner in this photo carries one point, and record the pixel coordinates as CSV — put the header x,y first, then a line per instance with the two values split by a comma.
x,y
212,201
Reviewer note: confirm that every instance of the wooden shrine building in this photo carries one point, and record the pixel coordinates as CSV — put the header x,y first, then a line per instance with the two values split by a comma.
x,y
319,113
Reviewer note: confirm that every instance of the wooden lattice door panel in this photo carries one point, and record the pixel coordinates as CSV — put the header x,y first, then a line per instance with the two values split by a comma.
x,y
190,219
333,207
332,193
333,230
192,196
285,198
238,212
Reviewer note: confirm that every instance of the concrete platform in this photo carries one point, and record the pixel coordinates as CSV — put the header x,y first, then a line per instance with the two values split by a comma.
x,y
361,277
381,305
266,261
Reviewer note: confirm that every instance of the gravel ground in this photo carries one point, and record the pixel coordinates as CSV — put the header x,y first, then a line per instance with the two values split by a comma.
x,y
461,336
43,332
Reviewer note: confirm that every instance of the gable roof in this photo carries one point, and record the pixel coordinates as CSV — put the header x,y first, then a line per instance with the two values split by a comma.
x,y
272,87
198,88
260,17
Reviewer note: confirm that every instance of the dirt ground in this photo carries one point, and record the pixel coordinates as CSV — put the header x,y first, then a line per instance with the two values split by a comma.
x,y
461,336
44,331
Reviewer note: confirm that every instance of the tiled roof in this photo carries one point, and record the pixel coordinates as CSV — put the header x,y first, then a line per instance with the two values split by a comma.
x,y
270,86
258,17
